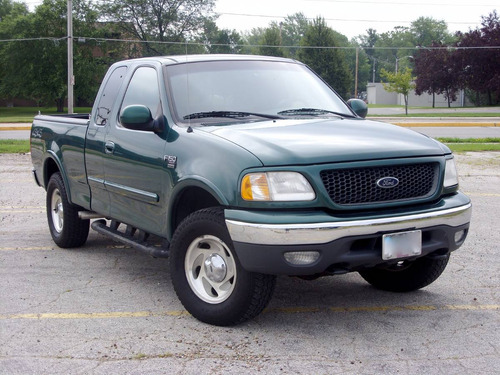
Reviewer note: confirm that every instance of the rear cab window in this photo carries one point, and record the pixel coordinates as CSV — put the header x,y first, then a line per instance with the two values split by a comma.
x,y
109,94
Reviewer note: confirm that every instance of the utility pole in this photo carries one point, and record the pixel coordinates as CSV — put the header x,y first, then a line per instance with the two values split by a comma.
x,y
356,78
71,77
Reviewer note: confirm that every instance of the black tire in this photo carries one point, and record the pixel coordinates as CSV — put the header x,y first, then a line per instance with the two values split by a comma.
x,y
66,228
207,275
408,276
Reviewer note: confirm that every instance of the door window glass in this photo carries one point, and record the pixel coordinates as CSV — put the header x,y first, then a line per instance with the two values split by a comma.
x,y
143,89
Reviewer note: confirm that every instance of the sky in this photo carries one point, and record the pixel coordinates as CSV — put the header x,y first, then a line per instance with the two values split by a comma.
x,y
353,18
350,18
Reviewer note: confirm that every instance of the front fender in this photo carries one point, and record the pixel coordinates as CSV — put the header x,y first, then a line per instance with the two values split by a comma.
x,y
203,183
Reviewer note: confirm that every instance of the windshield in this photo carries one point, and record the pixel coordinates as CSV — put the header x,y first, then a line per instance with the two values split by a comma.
x,y
222,91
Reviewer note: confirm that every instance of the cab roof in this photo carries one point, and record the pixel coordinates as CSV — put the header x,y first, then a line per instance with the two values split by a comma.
x,y
181,59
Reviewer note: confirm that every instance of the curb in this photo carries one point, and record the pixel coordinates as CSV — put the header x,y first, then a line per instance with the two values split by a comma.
x,y
15,127
447,124
422,122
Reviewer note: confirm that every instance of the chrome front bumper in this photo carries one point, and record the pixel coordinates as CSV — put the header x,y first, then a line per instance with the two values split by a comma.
x,y
325,232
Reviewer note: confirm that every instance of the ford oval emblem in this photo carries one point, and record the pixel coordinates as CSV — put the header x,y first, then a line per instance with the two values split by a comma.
x,y
387,182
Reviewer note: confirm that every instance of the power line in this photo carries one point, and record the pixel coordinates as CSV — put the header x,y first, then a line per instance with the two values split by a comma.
x,y
338,19
419,4
31,39
83,39
376,2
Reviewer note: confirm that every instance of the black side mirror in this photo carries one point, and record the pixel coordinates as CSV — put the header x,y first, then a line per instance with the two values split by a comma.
x,y
138,117
358,106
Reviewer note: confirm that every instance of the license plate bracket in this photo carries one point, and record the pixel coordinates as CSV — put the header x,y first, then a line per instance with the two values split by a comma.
x,y
401,245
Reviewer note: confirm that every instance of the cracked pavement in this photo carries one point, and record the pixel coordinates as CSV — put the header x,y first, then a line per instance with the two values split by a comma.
x,y
103,308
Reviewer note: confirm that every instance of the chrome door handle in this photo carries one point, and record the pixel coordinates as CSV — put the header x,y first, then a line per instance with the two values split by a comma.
x,y
109,147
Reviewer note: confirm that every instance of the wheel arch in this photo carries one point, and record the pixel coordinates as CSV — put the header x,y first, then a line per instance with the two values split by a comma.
x,y
189,197
52,165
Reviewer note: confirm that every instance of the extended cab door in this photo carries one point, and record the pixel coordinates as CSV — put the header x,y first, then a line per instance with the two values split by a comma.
x,y
96,133
134,166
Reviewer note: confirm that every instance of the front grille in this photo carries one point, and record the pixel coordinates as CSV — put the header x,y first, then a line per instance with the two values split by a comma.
x,y
359,185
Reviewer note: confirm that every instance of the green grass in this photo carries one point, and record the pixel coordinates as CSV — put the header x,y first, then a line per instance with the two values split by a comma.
x,y
471,144
471,147
469,140
26,114
14,146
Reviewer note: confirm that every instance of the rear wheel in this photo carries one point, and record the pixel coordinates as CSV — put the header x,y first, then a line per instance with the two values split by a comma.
x,y
406,276
207,275
66,228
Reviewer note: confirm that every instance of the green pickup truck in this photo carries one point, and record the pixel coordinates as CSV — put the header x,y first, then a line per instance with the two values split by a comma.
x,y
241,168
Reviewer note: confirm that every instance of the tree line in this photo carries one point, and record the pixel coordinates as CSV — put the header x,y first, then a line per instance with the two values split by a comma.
x,y
33,48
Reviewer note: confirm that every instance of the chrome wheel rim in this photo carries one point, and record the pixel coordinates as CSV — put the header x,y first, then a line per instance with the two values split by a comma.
x,y
57,211
210,269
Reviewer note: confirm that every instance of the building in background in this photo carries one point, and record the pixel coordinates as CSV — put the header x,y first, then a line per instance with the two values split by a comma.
x,y
376,94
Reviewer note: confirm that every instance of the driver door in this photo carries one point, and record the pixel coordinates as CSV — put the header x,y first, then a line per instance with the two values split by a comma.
x,y
134,160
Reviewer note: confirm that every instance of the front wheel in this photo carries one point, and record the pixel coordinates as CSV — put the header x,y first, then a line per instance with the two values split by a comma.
x,y
406,276
66,228
207,275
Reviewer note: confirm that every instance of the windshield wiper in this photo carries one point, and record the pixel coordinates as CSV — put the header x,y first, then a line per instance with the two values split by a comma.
x,y
311,112
228,114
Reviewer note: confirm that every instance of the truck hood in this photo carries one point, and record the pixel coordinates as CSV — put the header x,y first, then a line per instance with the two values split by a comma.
x,y
296,142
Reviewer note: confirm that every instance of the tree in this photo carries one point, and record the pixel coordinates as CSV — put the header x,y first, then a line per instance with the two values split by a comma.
x,y
400,83
433,67
293,29
426,30
10,9
251,40
368,42
392,47
435,73
364,67
280,38
160,22
271,42
477,63
216,40
43,77
389,48
327,60
44,74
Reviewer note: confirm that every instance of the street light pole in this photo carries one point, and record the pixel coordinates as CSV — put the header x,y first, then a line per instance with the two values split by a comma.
x,y
373,72
399,58
71,78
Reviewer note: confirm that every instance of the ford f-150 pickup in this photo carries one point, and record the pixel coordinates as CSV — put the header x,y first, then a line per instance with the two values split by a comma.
x,y
242,168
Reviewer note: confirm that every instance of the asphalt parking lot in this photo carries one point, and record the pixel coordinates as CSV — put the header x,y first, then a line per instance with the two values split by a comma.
x,y
106,309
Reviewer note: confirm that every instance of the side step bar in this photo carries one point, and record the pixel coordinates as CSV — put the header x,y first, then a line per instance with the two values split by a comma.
x,y
130,238
87,215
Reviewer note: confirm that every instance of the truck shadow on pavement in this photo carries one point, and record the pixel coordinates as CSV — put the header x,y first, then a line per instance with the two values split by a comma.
x,y
345,297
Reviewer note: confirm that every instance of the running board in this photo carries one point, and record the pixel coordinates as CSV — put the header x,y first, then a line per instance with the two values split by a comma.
x,y
87,215
130,238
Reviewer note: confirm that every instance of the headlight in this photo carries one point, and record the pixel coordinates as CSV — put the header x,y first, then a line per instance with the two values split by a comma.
x,y
276,186
450,174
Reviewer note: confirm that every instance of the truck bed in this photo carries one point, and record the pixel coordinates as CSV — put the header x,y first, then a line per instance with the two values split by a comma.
x,y
64,137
